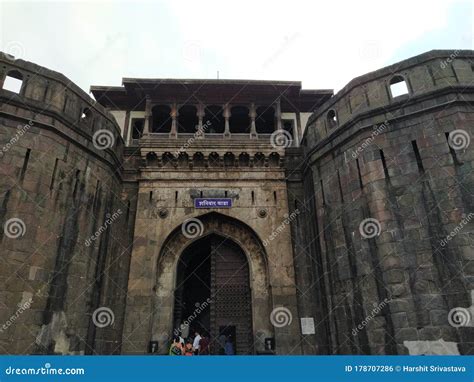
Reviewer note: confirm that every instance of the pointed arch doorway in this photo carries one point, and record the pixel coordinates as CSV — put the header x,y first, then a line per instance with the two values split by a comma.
x,y
213,292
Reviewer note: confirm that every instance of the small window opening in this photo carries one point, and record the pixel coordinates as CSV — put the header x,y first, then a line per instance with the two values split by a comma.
x,y
53,176
341,195
25,164
13,82
85,114
253,197
384,164
456,160
332,118
151,196
419,162
176,196
361,185
398,86
322,192
274,196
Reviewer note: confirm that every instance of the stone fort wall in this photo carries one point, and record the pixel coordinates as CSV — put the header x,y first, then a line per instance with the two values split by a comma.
x,y
366,155
372,155
57,189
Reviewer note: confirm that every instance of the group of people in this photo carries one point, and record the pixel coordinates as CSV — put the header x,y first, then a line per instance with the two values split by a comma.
x,y
199,345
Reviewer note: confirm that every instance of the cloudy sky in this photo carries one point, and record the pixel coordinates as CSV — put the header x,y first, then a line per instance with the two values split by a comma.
x,y
323,44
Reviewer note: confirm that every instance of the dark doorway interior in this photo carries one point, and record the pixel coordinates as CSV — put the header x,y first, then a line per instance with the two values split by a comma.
x,y
215,269
193,288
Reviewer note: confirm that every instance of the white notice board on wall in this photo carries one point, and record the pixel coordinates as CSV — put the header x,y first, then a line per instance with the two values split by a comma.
x,y
307,325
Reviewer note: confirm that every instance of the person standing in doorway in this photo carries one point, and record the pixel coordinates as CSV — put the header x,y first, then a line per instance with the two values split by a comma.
x,y
229,347
197,340
204,345
176,348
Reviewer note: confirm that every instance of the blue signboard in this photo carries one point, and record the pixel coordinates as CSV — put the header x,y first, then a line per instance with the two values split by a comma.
x,y
212,203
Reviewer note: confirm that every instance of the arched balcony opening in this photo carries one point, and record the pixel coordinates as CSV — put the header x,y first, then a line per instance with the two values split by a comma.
x,y
274,160
161,119
229,159
13,81
213,121
183,160
265,120
214,159
151,159
398,86
259,159
167,159
244,160
187,119
239,122
198,159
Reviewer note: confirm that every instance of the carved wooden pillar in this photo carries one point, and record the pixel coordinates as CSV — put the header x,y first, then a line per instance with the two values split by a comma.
x,y
148,116
226,118
253,127
200,115
174,120
278,114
